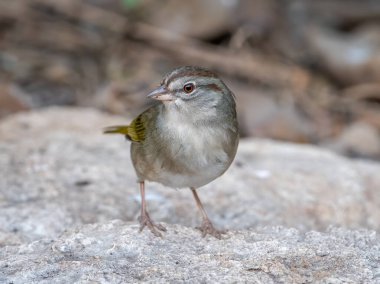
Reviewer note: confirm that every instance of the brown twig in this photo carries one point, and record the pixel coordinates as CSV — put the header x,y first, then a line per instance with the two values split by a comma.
x,y
243,64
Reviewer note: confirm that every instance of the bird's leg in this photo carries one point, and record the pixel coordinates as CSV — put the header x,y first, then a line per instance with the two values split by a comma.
x,y
207,227
144,217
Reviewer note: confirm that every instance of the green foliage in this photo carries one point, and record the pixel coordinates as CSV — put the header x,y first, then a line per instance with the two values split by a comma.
x,y
129,4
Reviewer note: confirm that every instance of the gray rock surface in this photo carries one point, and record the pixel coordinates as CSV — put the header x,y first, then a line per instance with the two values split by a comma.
x,y
58,173
114,252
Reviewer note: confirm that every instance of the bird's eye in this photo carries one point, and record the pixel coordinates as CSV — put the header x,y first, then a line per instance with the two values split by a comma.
x,y
188,88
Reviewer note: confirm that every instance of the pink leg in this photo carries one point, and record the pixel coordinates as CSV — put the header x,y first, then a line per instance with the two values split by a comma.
x,y
144,217
207,227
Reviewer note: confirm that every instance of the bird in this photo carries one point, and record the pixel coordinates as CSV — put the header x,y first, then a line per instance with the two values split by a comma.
x,y
186,139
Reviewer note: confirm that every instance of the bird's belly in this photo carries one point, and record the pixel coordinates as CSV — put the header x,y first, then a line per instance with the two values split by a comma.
x,y
193,167
187,165
196,176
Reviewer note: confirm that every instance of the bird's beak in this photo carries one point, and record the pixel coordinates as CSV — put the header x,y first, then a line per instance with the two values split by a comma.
x,y
161,94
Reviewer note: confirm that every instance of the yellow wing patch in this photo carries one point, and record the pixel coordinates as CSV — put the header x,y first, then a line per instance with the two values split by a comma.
x,y
134,132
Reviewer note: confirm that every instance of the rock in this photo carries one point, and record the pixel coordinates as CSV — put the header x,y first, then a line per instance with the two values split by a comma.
x,y
10,101
359,139
371,181
60,171
351,59
113,252
64,185
263,113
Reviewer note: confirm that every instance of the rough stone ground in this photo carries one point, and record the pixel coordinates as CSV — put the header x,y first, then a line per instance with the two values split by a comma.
x,y
59,173
113,252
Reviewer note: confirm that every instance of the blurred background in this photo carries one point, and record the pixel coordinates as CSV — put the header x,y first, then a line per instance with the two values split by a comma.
x,y
303,71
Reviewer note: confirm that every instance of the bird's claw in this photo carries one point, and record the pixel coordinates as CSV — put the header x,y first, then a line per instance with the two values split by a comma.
x,y
145,221
207,228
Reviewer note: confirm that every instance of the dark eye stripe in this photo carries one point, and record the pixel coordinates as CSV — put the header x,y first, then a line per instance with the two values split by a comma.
x,y
214,87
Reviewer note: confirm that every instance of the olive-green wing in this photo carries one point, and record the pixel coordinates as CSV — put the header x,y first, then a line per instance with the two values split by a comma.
x,y
134,132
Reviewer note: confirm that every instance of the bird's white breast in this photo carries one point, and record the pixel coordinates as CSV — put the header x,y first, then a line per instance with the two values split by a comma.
x,y
199,147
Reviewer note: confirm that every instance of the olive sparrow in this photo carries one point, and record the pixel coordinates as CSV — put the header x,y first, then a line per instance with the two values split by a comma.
x,y
187,139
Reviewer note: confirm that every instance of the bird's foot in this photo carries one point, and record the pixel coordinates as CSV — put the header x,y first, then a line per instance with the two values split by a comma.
x,y
145,221
207,228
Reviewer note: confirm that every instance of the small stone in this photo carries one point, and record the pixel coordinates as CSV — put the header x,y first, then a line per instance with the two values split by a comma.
x,y
359,139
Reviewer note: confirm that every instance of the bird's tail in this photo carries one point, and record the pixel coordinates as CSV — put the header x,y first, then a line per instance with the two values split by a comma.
x,y
117,129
